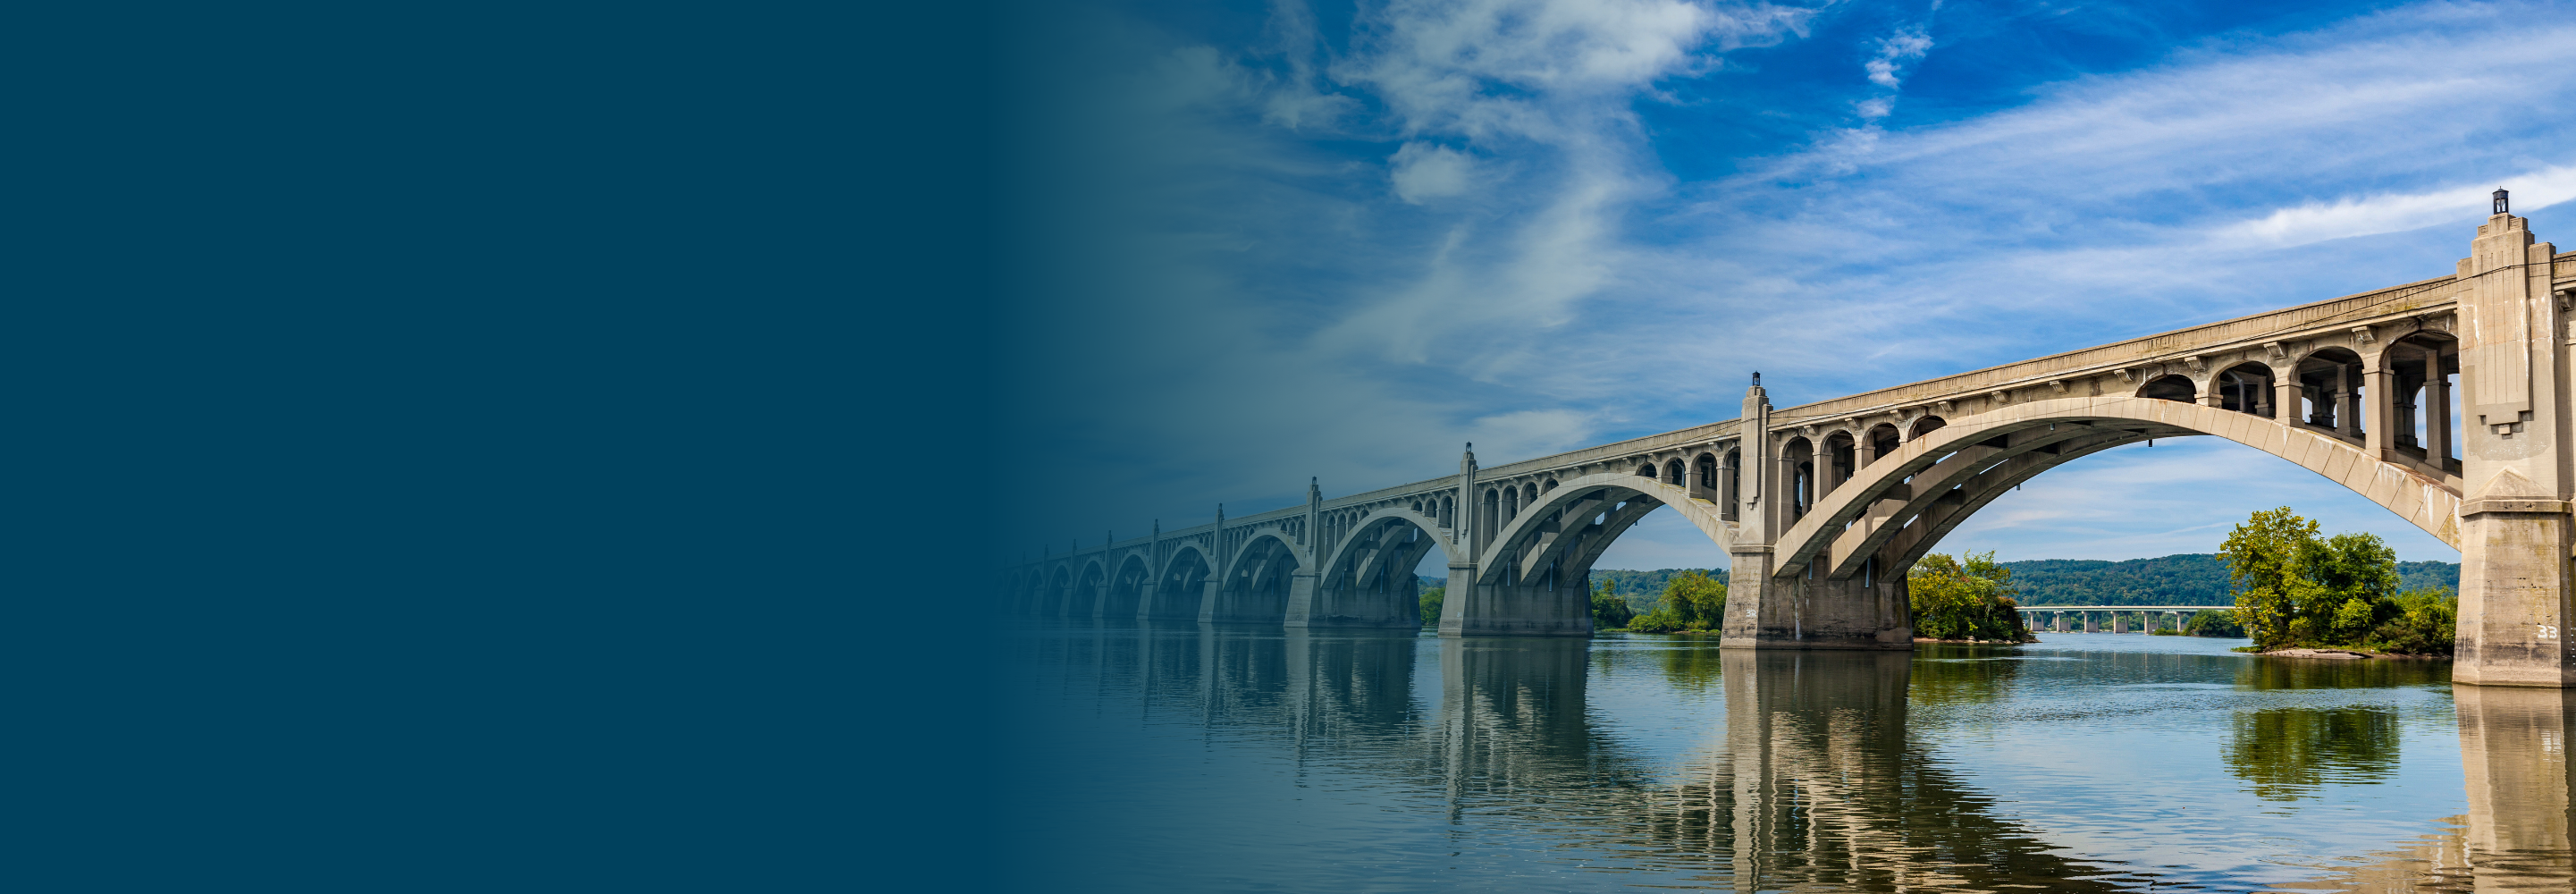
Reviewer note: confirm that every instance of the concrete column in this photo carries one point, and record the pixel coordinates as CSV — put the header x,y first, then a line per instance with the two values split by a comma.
x,y
2379,400
1305,601
2286,393
2091,624
2347,401
2119,622
1209,591
2437,414
2515,536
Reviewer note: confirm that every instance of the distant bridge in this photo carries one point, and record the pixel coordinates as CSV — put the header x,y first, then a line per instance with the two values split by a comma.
x,y
1824,506
2182,614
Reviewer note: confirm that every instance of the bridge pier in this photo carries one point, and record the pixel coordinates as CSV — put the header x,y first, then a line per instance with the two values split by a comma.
x,y
1764,611
2515,540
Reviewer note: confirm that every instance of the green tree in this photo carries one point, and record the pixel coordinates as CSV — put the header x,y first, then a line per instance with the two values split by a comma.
x,y
1431,606
1609,612
1970,599
2217,623
1692,600
2297,589
2418,622
2267,559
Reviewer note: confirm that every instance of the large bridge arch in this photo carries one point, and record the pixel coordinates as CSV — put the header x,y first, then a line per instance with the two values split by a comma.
x,y
1531,576
1257,580
1366,578
1936,481
1180,584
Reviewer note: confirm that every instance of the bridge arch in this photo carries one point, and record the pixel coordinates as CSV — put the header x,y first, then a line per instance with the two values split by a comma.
x,y
1256,580
1180,584
1059,591
1126,592
1902,505
1564,532
1367,576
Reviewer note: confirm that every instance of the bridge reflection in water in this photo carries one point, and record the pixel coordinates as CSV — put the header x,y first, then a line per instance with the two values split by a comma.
x,y
1788,770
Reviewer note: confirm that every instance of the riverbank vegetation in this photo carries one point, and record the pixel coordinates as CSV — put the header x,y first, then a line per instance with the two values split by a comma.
x,y
1609,612
1691,601
2297,589
1964,600
2219,623
1430,602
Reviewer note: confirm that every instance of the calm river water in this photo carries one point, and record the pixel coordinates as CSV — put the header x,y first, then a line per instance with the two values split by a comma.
x,y
1223,759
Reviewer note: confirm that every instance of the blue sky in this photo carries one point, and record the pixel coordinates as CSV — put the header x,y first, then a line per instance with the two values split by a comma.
x,y
1250,243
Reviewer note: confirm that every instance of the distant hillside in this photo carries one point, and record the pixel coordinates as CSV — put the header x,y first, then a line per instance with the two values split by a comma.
x,y
2185,579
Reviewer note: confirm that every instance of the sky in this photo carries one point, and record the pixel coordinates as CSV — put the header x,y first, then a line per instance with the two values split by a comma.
x,y
1252,243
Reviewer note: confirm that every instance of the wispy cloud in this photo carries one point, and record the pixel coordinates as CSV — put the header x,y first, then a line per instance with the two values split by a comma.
x,y
2349,216
1894,51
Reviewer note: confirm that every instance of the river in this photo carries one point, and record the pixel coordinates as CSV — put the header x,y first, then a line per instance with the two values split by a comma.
x,y
1196,758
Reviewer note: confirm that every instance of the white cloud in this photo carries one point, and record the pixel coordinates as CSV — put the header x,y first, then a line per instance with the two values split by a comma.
x,y
2395,212
1426,171
1895,50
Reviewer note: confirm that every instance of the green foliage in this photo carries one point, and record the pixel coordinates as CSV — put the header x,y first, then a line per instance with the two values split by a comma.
x,y
1609,612
2417,622
1644,590
2217,623
1970,599
2266,559
1692,600
1431,605
2297,589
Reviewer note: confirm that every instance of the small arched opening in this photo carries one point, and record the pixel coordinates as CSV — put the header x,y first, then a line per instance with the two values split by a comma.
x,y
2422,367
1799,459
2245,388
1839,461
1734,496
1883,440
1704,482
1927,425
2330,387
2168,388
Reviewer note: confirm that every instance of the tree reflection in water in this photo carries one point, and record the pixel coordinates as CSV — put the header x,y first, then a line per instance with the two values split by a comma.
x,y
2287,752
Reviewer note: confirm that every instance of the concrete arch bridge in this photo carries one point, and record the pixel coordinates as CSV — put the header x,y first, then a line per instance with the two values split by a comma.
x,y
1824,506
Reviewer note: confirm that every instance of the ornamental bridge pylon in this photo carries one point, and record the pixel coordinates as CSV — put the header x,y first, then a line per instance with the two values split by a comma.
x,y
1823,506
